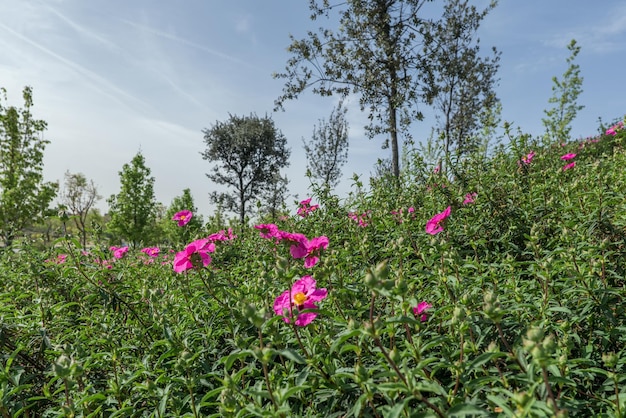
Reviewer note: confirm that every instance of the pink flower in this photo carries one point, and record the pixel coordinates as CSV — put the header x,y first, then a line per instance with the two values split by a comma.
x,y
268,231
469,198
570,165
437,169
314,247
420,310
613,130
195,255
61,258
183,217
433,226
119,252
151,251
299,243
360,219
222,236
528,158
301,296
567,157
306,207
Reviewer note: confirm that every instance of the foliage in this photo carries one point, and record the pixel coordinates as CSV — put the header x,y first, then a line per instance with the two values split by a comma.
x,y
512,305
327,150
461,81
565,92
79,196
24,196
133,209
249,151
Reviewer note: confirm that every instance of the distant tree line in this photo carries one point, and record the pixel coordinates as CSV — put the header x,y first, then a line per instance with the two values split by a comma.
x,y
393,56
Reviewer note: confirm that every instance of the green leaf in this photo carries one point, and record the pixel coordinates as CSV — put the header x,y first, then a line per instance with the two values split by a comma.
x,y
466,409
292,355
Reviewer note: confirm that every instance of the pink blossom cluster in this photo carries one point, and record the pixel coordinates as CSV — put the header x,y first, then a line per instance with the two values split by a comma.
x,y
527,159
589,141
299,245
470,198
299,303
360,219
222,235
119,252
568,157
197,253
306,208
151,251
398,214
613,130
60,259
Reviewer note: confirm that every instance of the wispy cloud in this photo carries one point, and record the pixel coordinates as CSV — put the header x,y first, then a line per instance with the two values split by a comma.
x,y
82,31
607,35
187,42
98,83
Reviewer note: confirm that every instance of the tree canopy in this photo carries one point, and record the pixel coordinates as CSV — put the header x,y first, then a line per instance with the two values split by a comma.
x,y
24,196
248,152
377,53
133,209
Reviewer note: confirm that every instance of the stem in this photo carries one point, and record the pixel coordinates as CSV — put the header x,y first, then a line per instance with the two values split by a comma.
x,y
393,364
191,398
458,374
308,356
210,291
193,316
616,386
67,393
544,371
266,374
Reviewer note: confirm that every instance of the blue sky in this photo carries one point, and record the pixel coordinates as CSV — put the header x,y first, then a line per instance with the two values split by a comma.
x,y
115,77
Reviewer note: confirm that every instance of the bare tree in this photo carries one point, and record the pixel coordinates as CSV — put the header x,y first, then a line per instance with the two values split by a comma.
x,y
78,196
327,150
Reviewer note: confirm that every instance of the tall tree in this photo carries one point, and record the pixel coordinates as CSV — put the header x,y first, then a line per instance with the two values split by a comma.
x,y
565,92
461,81
373,53
327,150
249,151
24,196
133,209
174,233
78,196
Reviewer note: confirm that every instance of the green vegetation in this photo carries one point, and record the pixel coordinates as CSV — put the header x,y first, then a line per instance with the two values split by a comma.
x,y
24,196
525,285
490,286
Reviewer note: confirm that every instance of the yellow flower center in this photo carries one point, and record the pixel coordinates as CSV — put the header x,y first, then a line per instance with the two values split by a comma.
x,y
299,298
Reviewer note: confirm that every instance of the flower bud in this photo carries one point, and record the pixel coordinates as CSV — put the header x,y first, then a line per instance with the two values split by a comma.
x,y
382,270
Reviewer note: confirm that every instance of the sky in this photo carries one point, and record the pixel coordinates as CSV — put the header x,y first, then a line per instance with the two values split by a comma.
x,y
114,77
